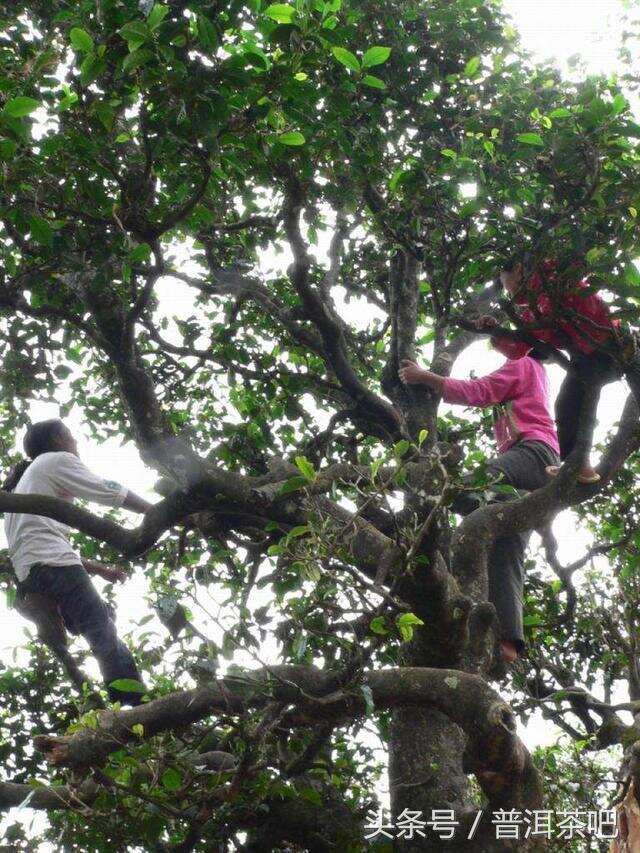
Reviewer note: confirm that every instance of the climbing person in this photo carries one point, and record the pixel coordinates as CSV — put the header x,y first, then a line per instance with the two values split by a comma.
x,y
584,327
43,559
527,444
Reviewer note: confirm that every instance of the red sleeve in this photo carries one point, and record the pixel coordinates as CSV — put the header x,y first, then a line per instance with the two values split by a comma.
x,y
501,385
548,336
593,307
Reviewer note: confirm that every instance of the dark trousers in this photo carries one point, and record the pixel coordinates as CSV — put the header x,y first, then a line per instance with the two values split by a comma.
x,y
85,613
586,371
522,466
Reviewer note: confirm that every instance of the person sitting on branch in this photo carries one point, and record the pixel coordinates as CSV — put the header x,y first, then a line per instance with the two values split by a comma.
x,y
527,444
44,562
584,327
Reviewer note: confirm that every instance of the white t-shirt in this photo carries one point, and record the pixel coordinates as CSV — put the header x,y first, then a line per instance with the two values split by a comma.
x,y
36,539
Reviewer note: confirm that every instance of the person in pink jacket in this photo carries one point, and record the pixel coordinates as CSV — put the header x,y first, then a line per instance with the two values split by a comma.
x,y
524,429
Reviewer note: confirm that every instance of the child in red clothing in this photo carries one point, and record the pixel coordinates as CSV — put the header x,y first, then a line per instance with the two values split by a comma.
x,y
584,327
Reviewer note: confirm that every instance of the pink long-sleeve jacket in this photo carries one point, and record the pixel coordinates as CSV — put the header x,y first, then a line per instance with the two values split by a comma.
x,y
519,394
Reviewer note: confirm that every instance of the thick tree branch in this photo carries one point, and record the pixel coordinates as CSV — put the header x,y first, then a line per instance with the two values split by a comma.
x,y
317,696
479,530
374,409
47,798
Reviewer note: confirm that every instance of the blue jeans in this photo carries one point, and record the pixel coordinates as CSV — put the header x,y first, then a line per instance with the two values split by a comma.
x,y
85,613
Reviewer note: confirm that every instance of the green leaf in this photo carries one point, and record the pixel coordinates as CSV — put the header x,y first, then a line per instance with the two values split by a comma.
x,y
472,66
207,33
7,149
300,530
138,729
292,137
310,571
171,779
106,114
135,59
449,152
348,59
632,275
560,112
135,33
470,208
90,69
20,106
422,437
594,254
374,82
530,139
281,12
311,796
68,99
306,468
619,104
406,623
293,484
128,685
41,231
140,253
81,40
401,448
378,626
157,16
559,695
123,137
375,56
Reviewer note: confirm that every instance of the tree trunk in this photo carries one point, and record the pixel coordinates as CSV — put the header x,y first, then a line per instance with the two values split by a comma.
x,y
425,771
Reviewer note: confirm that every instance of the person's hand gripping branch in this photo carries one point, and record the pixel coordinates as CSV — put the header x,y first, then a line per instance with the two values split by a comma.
x,y
411,373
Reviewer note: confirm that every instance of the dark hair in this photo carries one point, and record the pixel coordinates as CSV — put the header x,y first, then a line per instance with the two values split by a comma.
x,y
40,438
538,354
509,264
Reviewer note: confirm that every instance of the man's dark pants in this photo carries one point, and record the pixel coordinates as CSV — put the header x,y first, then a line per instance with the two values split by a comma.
x,y
523,467
84,612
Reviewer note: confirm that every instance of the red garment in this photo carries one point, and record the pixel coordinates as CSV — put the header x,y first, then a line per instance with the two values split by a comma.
x,y
584,336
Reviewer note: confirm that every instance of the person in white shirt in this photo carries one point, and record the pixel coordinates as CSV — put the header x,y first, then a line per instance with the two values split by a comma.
x,y
43,558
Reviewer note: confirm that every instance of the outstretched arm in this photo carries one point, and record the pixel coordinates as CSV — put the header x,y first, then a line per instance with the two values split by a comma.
x,y
135,503
72,476
501,385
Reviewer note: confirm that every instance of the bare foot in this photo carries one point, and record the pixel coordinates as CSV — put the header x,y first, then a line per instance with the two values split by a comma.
x,y
508,651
